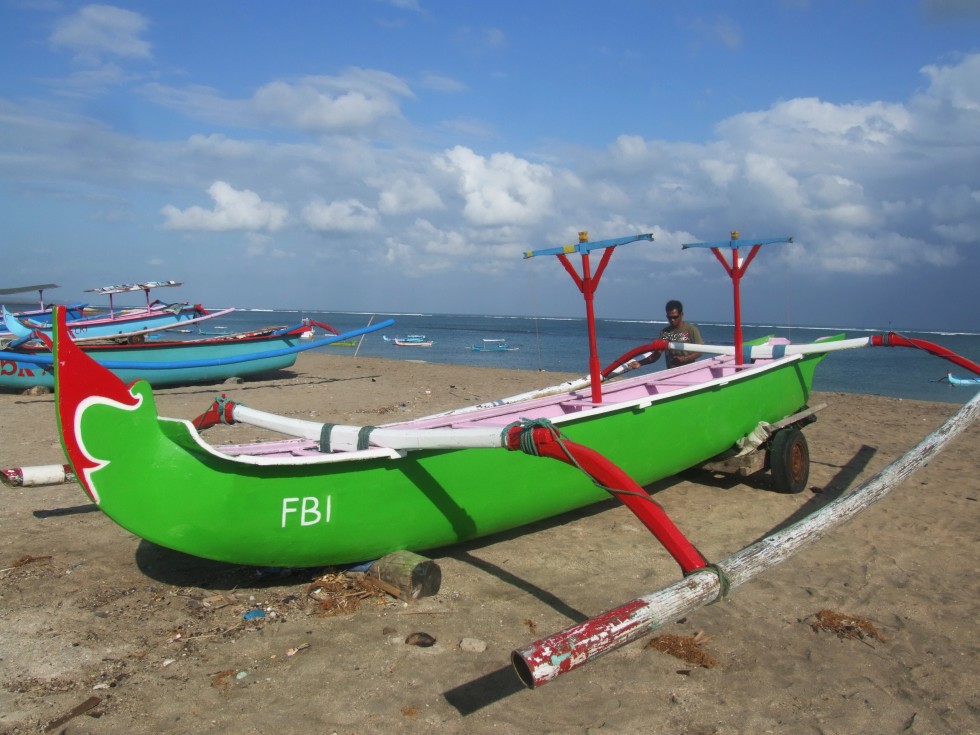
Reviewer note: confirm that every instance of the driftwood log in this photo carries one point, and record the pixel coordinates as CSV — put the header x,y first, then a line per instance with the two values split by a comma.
x,y
546,659
412,575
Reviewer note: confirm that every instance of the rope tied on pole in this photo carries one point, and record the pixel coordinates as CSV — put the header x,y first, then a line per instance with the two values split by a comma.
x,y
221,411
724,583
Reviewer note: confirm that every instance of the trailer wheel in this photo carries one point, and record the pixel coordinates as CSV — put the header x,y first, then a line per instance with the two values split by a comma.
x,y
789,461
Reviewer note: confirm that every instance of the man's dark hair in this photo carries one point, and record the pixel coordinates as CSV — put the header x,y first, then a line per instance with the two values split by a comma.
x,y
674,304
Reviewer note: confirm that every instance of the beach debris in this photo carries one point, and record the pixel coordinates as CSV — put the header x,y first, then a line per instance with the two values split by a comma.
x,y
406,575
420,639
473,645
254,614
25,560
341,593
532,627
215,602
685,647
86,706
296,649
220,679
49,474
843,626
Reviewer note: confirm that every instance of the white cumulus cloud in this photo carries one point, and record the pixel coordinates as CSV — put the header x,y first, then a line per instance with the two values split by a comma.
x,y
233,210
348,215
499,190
95,31
321,104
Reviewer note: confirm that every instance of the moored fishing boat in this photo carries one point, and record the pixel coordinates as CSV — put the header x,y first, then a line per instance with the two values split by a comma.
x,y
42,314
410,340
334,494
116,323
176,362
955,380
494,345
341,494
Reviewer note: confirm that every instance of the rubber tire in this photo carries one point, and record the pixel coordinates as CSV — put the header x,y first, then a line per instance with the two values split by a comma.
x,y
789,461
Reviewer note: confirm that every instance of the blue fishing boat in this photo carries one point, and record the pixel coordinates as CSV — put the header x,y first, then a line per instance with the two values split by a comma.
x,y
494,345
121,323
410,340
179,362
42,314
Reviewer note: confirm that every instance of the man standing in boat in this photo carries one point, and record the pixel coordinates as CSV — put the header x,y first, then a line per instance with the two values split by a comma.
x,y
677,330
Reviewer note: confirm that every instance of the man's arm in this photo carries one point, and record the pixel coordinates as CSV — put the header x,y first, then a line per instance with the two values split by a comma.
x,y
649,360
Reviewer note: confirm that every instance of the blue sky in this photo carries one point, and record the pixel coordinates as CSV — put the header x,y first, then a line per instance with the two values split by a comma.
x,y
401,155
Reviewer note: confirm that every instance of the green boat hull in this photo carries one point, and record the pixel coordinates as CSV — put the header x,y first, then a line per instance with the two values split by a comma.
x,y
156,478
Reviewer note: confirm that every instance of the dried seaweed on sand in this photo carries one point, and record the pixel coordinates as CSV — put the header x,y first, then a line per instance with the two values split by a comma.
x,y
843,626
685,647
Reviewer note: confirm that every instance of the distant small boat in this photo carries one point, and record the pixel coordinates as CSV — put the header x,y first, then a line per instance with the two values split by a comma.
x,y
495,345
953,380
410,340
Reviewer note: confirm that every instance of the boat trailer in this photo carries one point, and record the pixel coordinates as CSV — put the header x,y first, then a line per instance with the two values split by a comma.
x,y
780,448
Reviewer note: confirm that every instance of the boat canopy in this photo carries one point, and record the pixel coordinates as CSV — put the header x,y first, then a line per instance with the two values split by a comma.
x,y
25,289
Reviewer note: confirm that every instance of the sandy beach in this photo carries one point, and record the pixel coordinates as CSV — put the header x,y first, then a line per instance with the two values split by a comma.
x,y
101,632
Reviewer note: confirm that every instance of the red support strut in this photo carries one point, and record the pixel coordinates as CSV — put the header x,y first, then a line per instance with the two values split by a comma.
x,y
630,493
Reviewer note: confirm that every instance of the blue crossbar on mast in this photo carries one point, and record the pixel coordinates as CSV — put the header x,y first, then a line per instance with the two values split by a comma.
x,y
586,246
735,243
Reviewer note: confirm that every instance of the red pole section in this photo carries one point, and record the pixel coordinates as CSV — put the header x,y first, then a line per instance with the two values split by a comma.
x,y
737,291
658,345
896,340
594,367
221,411
735,271
609,475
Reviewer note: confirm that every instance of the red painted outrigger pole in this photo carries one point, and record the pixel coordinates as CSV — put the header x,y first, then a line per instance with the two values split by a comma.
x,y
587,284
735,271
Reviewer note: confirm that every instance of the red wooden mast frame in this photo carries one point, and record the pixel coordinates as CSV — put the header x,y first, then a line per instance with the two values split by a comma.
x,y
587,283
735,271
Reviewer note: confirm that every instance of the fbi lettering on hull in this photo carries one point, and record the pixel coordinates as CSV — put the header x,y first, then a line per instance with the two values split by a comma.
x,y
308,511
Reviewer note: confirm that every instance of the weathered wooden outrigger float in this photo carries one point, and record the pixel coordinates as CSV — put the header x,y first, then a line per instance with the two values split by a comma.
x,y
546,659
337,494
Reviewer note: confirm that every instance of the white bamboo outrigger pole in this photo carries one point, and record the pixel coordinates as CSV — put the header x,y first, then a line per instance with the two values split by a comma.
x,y
543,661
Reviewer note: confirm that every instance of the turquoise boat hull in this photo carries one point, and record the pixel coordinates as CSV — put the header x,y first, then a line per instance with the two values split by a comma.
x,y
19,374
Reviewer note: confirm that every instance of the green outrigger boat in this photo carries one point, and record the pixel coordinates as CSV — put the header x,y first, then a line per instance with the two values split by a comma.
x,y
329,494
335,494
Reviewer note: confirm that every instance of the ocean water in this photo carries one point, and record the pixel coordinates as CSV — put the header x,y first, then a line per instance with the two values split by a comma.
x,y
561,345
